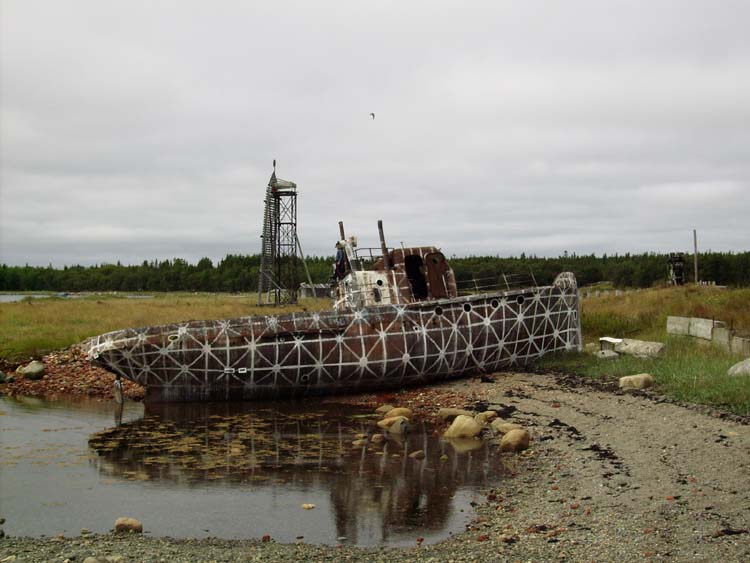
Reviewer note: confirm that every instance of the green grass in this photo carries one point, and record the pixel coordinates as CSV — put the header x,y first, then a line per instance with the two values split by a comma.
x,y
691,370
31,328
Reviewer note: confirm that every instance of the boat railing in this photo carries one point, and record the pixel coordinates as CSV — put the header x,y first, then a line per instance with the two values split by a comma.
x,y
501,282
368,256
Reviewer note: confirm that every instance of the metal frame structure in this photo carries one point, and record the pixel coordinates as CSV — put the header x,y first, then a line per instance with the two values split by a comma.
x,y
278,277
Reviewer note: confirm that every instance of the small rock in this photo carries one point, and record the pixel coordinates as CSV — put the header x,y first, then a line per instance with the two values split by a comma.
x,y
85,531
399,411
450,413
125,524
382,409
389,421
463,426
400,426
308,506
419,454
515,441
501,427
378,439
640,381
607,355
359,443
740,368
444,457
34,370
484,418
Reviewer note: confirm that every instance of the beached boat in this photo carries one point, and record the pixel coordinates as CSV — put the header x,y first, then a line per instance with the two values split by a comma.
x,y
398,319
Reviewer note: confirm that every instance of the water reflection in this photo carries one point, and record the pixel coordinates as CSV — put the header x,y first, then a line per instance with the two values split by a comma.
x,y
377,492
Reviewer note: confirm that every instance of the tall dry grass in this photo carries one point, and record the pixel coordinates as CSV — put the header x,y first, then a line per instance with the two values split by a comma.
x,y
33,327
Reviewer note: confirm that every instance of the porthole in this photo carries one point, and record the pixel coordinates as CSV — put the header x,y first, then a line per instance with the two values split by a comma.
x,y
173,337
415,328
467,307
304,378
379,282
438,310
520,299
494,304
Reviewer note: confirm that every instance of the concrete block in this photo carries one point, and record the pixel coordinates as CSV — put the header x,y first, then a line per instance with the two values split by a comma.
x,y
678,325
608,342
722,337
640,348
701,328
740,345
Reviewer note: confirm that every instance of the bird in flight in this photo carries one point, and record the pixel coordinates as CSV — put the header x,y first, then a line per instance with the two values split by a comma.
x,y
372,115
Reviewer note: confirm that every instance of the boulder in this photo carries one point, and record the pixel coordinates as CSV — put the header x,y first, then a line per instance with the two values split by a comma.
x,y
640,381
382,409
484,418
515,441
388,421
399,411
501,427
33,370
125,524
400,426
740,368
448,413
640,348
463,426
607,355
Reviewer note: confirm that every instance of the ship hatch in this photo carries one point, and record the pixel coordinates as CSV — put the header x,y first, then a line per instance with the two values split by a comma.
x,y
414,267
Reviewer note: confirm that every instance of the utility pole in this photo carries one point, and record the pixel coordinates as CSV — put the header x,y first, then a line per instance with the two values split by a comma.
x,y
695,255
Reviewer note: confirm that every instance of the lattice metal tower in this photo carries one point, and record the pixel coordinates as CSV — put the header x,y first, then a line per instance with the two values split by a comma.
x,y
278,279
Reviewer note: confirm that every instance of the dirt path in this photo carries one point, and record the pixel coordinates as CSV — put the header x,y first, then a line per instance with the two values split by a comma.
x,y
609,477
630,477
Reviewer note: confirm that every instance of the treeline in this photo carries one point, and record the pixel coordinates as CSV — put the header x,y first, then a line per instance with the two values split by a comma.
x,y
240,273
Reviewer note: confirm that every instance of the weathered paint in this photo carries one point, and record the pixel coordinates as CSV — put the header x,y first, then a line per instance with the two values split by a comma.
x,y
371,348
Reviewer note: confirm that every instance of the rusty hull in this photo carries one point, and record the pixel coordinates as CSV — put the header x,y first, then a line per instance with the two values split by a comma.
x,y
373,348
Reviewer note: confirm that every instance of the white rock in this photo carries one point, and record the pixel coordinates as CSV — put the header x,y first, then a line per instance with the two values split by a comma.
x,y
463,426
640,381
740,368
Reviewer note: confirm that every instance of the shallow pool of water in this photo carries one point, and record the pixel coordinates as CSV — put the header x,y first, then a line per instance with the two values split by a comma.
x,y
234,470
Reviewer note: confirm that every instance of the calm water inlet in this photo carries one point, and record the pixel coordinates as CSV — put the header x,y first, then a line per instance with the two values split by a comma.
x,y
233,471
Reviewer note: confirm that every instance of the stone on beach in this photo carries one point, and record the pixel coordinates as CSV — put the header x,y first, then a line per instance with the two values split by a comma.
x,y
33,370
448,413
484,418
419,454
463,426
501,427
515,441
398,411
400,426
125,524
382,409
639,381
389,421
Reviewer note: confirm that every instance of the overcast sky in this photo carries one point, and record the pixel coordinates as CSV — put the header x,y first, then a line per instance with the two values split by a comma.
x,y
139,130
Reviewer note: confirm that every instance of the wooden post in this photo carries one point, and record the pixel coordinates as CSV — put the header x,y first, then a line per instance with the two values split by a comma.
x,y
695,255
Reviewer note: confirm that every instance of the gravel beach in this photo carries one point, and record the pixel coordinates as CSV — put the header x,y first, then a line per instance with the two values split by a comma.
x,y
610,476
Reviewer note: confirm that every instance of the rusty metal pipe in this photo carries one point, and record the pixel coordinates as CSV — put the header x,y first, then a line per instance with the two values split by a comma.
x,y
342,236
383,247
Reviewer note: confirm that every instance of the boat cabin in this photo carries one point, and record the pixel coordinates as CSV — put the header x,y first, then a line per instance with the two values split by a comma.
x,y
368,277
